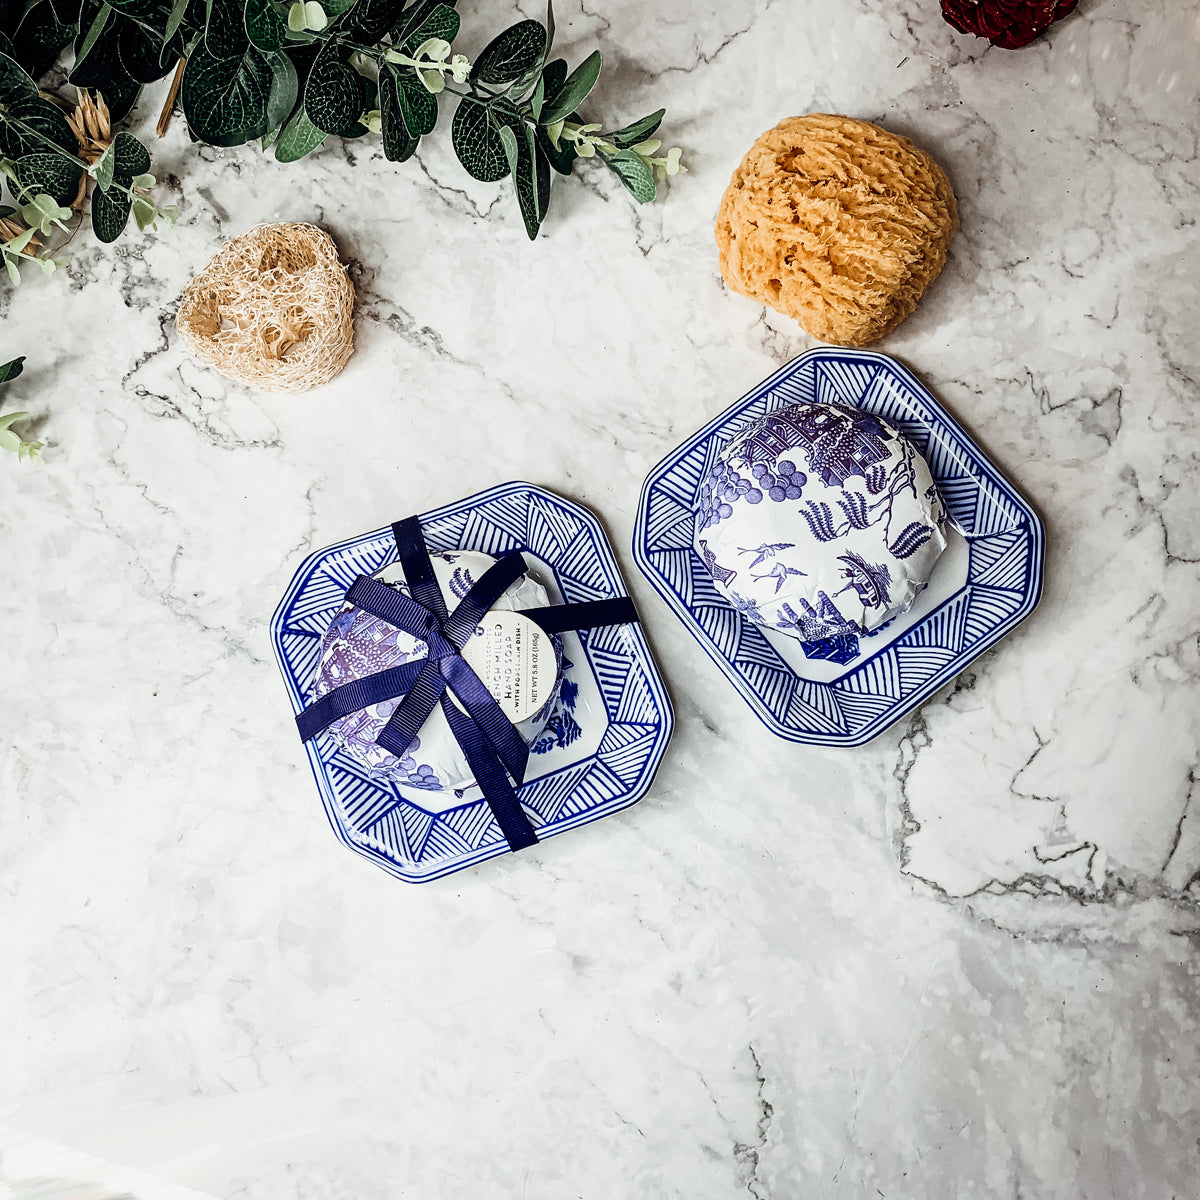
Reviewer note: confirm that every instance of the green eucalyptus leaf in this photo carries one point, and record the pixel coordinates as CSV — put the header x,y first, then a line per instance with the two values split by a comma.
x,y
137,9
635,173
15,83
399,144
532,180
105,165
412,18
120,94
554,75
103,70
110,209
418,104
561,157
520,88
95,29
574,91
145,212
110,214
442,22
225,30
225,99
43,212
477,143
370,96
299,138
529,168
333,92
15,245
41,34
510,54
175,20
266,25
131,157
26,125
508,140
11,369
285,90
141,55
638,132
50,173
369,20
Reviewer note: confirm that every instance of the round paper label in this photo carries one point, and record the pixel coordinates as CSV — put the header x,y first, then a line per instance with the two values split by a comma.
x,y
515,660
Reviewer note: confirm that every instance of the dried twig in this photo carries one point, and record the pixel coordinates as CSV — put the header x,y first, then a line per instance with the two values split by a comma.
x,y
10,229
164,119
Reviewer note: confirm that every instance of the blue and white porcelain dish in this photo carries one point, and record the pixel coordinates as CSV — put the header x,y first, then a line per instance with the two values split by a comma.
x,y
848,690
606,734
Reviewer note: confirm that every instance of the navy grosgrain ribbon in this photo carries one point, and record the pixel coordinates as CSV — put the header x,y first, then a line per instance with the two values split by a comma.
x,y
493,748
583,614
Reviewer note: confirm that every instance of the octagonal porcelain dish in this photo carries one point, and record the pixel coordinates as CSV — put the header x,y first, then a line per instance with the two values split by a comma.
x,y
987,580
606,735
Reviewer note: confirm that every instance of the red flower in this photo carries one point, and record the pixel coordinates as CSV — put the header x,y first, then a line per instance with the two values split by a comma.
x,y
1006,23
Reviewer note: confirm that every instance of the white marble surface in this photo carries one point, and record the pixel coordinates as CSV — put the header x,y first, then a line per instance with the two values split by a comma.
x,y
958,962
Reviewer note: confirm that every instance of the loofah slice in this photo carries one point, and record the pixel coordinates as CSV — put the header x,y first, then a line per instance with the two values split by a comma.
x,y
837,223
272,309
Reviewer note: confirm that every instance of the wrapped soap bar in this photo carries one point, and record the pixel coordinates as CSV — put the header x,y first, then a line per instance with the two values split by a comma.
x,y
821,521
520,665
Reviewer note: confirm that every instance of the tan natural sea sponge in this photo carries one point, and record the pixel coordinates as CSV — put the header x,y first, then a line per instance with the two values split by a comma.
x,y
272,309
837,223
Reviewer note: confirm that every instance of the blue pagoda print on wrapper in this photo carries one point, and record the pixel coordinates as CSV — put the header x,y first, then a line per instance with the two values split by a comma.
x,y
561,728
820,521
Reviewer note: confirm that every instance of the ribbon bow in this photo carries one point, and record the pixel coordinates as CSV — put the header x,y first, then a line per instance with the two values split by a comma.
x,y
494,750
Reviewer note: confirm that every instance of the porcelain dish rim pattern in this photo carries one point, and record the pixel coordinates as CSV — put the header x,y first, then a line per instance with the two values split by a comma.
x,y
872,693
569,539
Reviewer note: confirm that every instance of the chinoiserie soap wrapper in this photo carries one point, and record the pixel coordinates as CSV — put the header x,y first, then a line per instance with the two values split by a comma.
x,y
521,666
820,520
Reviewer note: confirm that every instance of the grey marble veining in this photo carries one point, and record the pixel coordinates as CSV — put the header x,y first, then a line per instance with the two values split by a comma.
x,y
960,961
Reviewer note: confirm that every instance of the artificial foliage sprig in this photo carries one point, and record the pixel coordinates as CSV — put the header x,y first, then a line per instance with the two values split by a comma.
x,y
517,114
46,159
289,76
8,439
